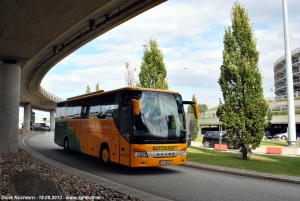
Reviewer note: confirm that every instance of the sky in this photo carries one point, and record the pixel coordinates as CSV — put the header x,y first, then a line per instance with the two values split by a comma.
x,y
190,35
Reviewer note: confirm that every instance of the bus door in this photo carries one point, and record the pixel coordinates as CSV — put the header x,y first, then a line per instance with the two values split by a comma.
x,y
73,134
125,132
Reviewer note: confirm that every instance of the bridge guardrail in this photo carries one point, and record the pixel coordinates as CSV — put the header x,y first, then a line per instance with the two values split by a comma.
x,y
49,95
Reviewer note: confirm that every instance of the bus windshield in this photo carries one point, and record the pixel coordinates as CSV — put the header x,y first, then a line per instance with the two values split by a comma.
x,y
161,117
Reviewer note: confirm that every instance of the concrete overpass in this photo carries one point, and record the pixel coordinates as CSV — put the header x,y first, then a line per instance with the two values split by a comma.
x,y
34,36
212,119
280,119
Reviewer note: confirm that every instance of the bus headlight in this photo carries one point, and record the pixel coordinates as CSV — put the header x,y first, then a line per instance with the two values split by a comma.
x,y
140,153
183,151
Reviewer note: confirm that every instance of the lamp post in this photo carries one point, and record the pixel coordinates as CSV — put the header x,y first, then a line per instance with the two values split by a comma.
x,y
220,130
52,80
185,82
289,80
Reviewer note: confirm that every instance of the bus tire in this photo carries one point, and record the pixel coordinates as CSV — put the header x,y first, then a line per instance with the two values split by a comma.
x,y
66,145
105,156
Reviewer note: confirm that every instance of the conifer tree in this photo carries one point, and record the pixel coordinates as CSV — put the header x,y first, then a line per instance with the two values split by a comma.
x,y
97,87
244,113
195,120
153,70
88,89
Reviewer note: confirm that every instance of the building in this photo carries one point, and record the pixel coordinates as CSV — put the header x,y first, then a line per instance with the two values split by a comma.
x,y
280,75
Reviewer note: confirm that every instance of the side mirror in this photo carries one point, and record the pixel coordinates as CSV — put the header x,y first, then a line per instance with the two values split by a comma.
x,y
136,106
196,110
195,106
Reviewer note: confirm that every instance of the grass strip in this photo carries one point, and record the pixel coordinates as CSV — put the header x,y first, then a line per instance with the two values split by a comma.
x,y
282,143
261,163
199,139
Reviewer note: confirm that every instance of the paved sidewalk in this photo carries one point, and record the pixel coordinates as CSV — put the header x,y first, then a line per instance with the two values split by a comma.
x,y
248,173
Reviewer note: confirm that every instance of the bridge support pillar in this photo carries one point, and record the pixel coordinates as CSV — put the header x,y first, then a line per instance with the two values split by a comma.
x,y
52,120
27,116
10,76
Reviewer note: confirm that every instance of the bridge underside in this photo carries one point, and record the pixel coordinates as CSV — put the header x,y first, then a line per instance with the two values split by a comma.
x,y
35,35
39,34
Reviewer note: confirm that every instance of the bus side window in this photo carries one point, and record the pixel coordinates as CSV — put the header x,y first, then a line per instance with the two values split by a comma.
x,y
75,112
61,110
94,112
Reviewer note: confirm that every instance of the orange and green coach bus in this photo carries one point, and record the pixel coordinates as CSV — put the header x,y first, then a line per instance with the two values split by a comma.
x,y
136,127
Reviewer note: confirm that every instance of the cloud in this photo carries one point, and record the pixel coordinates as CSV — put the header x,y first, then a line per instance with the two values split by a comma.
x,y
190,35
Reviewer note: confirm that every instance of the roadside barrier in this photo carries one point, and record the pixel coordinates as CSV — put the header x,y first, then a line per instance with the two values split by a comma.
x,y
223,147
274,150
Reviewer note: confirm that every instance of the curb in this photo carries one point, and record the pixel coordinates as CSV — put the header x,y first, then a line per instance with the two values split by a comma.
x,y
246,173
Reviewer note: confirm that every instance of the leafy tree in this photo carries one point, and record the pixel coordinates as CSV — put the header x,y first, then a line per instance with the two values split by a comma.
x,y
153,70
97,87
202,107
245,110
196,124
88,89
137,84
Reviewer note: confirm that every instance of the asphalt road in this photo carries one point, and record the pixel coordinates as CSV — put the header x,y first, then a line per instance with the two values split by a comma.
x,y
175,183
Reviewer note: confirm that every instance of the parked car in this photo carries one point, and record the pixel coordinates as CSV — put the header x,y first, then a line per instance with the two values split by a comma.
x,y
268,135
275,129
41,127
282,136
212,137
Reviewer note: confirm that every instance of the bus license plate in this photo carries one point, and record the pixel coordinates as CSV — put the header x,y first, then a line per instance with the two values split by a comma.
x,y
165,162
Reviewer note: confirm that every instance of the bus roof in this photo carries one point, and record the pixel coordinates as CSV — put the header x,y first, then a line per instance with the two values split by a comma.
x,y
101,92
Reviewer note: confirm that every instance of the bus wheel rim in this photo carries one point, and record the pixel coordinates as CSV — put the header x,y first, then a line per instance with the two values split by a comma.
x,y
105,155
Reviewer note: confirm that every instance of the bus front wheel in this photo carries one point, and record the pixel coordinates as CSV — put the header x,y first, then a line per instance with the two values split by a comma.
x,y
105,157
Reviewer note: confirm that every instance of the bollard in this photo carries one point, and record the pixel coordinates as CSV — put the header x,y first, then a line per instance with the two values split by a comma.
x,y
274,150
223,147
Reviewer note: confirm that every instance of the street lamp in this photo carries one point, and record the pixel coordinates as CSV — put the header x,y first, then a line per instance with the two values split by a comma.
x,y
289,80
52,80
185,82
220,130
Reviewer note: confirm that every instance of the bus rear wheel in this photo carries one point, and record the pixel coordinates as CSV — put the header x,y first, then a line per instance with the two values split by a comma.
x,y
105,157
66,146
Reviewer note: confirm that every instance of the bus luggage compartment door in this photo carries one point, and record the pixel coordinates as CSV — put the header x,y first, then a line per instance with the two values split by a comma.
x,y
124,152
114,150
